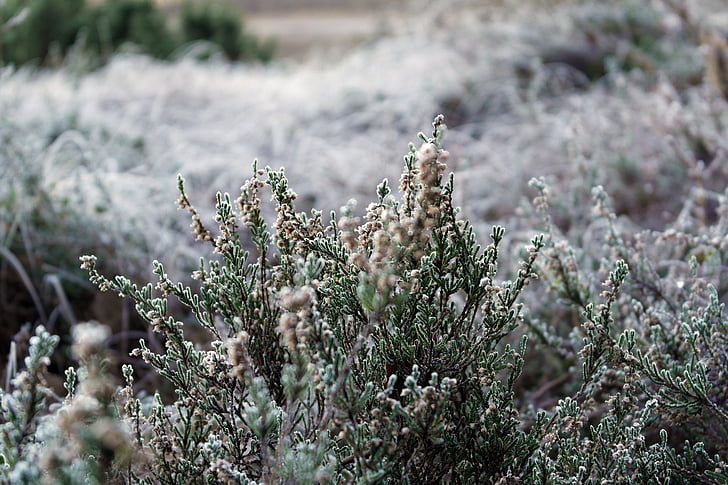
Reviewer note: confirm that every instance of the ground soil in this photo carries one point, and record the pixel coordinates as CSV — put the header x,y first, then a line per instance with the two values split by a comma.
x,y
255,6
301,26
299,32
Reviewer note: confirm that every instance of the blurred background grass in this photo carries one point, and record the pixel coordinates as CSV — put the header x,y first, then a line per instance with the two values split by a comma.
x,y
93,130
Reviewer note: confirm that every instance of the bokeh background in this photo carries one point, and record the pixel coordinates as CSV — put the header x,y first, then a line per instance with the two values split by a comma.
x,y
627,94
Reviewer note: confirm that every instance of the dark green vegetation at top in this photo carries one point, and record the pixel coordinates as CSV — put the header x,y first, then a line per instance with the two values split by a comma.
x,y
46,31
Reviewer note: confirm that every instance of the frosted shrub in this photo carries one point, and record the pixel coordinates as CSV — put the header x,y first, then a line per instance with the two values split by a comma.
x,y
357,351
387,348
650,355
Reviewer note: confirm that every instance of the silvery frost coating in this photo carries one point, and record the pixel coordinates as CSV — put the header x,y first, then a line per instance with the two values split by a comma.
x,y
406,339
138,120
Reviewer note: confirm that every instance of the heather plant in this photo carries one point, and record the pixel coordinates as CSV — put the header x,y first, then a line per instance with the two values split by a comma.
x,y
386,346
358,350
378,350
24,403
660,339
81,439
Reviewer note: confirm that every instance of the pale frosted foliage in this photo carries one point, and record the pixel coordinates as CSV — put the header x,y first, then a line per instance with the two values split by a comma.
x,y
339,353
334,123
